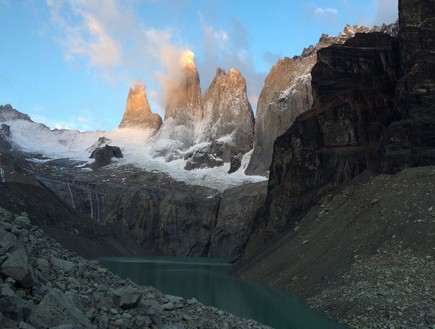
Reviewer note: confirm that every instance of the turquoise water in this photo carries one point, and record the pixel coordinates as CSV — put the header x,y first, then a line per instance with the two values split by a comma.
x,y
208,281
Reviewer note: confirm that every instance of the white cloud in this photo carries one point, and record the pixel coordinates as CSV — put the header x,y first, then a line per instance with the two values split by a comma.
x,y
111,40
325,11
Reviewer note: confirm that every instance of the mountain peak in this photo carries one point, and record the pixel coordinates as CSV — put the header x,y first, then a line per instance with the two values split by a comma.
x,y
137,110
188,59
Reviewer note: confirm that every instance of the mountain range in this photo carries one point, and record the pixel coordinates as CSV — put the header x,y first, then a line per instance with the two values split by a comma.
x,y
332,176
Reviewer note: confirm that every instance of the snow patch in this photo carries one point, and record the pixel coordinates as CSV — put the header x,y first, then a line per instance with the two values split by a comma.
x,y
138,146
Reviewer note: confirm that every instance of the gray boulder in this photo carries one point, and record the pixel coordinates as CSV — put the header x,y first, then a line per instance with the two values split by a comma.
x,y
127,297
57,309
103,155
17,267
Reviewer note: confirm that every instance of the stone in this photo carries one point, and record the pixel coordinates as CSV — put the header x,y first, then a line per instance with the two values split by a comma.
x,y
127,297
168,306
235,163
24,325
22,221
17,267
202,158
137,110
8,241
15,308
56,309
103,155
62,264
43,264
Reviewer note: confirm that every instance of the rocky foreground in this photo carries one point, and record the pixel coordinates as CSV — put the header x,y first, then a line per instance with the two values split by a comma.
x,y
43,285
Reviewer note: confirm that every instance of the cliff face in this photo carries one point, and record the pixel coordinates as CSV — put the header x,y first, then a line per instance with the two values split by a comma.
x,y
138,112
287,93
227,127
353,88
373,109
227,112
412,137
163,216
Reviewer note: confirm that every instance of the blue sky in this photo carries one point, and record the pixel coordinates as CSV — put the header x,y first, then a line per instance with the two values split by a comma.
x,y
70,63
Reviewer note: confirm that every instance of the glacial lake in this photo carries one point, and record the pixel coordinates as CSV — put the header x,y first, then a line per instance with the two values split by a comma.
x,y
208,281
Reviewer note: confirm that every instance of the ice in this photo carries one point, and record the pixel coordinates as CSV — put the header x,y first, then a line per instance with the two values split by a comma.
x,y
137,145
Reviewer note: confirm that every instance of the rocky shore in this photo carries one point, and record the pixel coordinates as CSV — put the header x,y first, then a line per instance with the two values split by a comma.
x,y
43,285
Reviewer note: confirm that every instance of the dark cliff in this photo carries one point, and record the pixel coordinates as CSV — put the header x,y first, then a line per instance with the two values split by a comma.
x,y
412,137
373,109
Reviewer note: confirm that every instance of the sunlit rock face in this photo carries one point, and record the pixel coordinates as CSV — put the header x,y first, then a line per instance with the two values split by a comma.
x,y
183,112
138,112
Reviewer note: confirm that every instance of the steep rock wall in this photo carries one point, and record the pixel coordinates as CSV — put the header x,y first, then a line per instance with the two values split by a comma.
x,y
353,88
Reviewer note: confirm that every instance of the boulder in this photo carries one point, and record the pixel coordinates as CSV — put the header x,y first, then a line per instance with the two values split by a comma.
x,y
56,309
235,163
103,155
17,267
127,297
15,307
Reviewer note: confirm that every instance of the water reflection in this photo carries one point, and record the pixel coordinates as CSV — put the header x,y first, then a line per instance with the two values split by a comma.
x,y
209,282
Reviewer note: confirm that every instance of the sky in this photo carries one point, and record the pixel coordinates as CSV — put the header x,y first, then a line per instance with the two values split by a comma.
x,y
70,63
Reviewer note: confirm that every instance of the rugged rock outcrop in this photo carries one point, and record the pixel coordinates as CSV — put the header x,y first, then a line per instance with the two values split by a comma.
x,y
103,155
5,134
373,108
353,88
47,286
7,112
138,112
228,115
287,93
183,113
228,123
235,220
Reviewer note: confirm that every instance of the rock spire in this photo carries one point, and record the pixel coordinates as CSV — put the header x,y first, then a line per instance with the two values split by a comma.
x,y
137,111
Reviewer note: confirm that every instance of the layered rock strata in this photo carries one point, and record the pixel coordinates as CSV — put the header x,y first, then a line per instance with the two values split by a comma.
x,y
353,88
